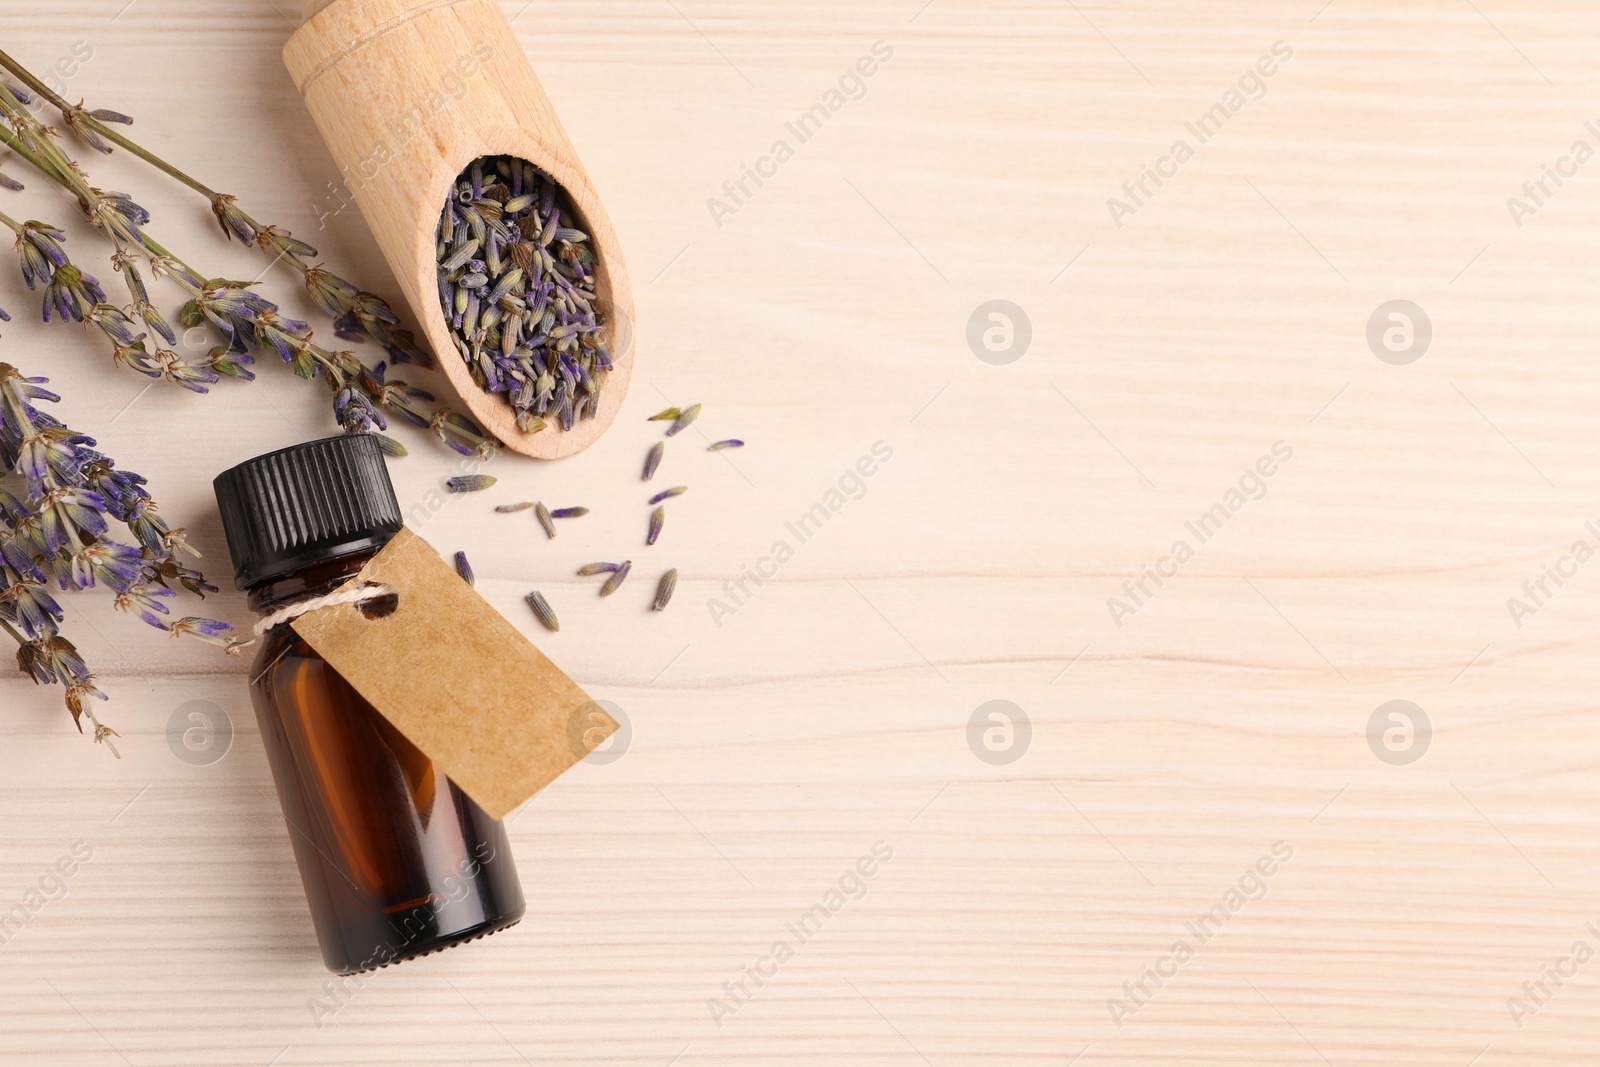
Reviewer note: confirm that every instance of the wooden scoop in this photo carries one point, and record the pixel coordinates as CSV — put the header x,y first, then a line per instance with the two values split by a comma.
x,y
407,93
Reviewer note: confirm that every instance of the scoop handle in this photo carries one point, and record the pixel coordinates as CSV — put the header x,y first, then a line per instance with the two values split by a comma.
x,y
406,94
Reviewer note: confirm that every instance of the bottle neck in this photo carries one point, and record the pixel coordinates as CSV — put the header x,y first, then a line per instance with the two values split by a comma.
x,y
317,579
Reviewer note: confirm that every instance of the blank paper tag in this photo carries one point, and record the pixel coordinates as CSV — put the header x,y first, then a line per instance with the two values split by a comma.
x,y
458,680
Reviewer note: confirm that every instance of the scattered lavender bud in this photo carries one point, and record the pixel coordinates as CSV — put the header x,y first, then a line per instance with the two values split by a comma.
x,y
664,416
653,460
464,569
664,591
569,513
545,520
722,445
507,509
658,518
390,446
589,570
471,483
668,494
615,581
682,422
541,608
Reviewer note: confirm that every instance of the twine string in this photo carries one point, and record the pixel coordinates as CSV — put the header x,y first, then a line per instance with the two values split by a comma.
x,y
359,595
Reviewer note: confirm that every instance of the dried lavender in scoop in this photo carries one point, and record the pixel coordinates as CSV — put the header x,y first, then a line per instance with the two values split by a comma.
x,y
517,285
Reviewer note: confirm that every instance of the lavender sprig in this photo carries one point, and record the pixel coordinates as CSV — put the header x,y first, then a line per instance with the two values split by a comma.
x,y
71,293
61,534
246,320
356,312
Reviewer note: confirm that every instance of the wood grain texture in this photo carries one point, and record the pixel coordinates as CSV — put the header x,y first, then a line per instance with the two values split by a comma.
x,y
827,311
407,93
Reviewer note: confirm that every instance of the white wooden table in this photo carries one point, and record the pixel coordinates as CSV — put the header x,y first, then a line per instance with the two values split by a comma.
x,y
1169,744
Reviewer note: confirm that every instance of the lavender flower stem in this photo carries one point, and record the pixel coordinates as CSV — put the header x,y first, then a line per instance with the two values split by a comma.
x,y
350,306
104,130
34,143
13,142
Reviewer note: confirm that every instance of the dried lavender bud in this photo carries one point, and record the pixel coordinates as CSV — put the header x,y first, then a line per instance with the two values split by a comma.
x,y
541,608
615,581
668,494
664,416
589,570
471,483
658,518
545,520
464,569
721,445
653,460
459,258
507,509
664,591
682,422
569,513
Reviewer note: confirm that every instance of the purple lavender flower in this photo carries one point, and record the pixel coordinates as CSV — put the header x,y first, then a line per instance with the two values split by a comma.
x,y
356,411
52,659
114,323
234,223
145,602
42,255
118,566
193,374
76,117
210,631
71,515
52,454
27,604
230,364
331,293
146,525
70,293
142,305
121,490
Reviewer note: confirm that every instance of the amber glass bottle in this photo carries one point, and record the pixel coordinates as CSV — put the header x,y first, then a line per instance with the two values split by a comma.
x,y
397,862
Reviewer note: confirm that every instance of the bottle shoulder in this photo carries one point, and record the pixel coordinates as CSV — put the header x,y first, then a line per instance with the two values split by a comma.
x,y
277,644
